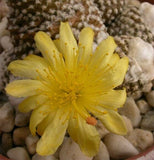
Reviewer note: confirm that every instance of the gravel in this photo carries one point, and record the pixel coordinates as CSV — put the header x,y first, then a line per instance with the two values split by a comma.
x,y
18,144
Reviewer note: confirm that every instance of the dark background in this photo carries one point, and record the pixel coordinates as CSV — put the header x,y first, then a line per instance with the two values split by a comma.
x,y
151,1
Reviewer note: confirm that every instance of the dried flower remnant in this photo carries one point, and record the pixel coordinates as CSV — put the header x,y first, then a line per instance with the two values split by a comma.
x,y
67,86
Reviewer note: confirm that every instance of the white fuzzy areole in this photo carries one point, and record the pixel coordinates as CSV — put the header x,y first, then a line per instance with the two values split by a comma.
x,y
141,56
147,12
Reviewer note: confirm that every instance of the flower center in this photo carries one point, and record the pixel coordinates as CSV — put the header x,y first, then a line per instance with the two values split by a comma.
x,y
66,89
70,88
68,96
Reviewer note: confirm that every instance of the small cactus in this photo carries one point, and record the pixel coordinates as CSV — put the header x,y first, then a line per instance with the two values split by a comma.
x,y
131,23
29,16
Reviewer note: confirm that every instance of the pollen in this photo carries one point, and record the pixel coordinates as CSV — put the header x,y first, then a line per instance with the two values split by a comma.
x,y
91,120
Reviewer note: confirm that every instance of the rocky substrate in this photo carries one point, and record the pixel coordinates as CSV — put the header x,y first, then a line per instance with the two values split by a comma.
x,y
17,143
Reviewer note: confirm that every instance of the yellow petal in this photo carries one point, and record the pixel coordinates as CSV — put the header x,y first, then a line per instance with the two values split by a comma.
x,y
113,122
23,88
47,47
85,43
113,99
104,52
115,76
37,116
62,65
53,135
101,72
57,44
68,43
66,35
44,124
31,67
112,62
106,46
31,103
85,135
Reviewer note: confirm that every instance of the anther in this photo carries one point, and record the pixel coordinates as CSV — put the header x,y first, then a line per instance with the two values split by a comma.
x,y
91,120
104,112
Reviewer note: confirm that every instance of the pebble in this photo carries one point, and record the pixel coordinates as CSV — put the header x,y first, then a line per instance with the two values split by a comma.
x,y
101,129
6,118
31,142
150,98
147,87
6,42
142,63
38,157
22,119
4,9
20,134
56,154
119,147
14,101
140,138
143,106
7,142
128,124
148,121
3,25
103,153
18,153
131,111
136,95
147,12
71,151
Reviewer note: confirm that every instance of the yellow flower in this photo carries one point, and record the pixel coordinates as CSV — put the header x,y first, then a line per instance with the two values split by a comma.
x,y
67,86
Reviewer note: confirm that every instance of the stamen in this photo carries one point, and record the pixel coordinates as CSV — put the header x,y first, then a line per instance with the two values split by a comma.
x,y
40,74
82,113
68,115
53,75
96,110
